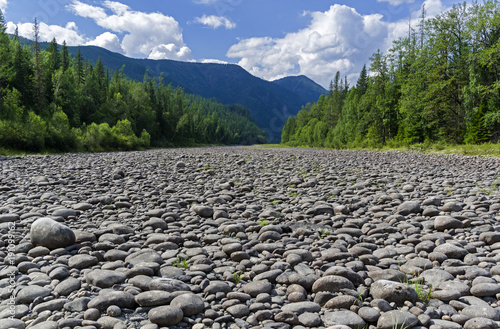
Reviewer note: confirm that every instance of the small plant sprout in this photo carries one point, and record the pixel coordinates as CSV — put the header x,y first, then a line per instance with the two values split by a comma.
x,y
324,232
264,222
423,291
237,277
181,263
275,202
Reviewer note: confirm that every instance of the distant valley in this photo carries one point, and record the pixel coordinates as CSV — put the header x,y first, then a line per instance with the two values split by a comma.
x,y
269,103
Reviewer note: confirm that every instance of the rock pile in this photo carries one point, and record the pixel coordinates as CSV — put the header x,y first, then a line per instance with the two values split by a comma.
x,y
249,238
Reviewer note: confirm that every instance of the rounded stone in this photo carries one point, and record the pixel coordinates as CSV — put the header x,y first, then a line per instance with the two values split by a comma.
x,y
105,278
480,323
485,289
392,291
442,223
369,314
396,320
301,307
238,311
165,315
154,298
190,304
344,318
257,287
331,283
48,233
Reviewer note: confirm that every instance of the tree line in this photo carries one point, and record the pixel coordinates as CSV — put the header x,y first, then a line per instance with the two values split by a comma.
x,y
438,84
52,101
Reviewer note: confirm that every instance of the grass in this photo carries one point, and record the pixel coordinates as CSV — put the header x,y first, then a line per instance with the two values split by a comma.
x,y
486,149
493,188
181,263
237,277
423,293
324,233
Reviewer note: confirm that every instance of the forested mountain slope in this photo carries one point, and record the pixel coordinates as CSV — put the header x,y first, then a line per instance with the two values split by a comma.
x,y
51,100
438,84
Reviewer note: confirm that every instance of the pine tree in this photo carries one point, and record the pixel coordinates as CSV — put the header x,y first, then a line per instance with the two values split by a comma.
x,y
38,68
80,68
6,72
65,57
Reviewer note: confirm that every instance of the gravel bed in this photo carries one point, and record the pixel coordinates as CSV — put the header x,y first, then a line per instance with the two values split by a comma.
x,y
235,237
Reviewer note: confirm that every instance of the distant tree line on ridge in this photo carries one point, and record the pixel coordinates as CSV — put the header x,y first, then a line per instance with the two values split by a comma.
x,y
439,84
50,101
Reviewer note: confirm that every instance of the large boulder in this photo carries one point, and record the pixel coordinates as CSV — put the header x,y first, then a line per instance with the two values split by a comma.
x,y
48,233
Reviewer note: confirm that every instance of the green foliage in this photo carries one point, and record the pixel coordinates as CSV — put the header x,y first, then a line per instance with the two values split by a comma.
x,y
49,101
181,263
438,85
236,277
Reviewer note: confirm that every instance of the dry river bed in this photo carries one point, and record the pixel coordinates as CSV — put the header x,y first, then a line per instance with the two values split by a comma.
x,y
236,237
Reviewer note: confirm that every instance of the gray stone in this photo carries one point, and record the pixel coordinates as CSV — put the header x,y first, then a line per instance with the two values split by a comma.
x,y
369,314
480,323
165,315
435,277
217,286
442,223
77,305
28,294
154,298
105,278
169,285
345,318
12,324
485,289
409,207
331,283
396,320
309,319
51,234
45,325
203,211
238,311
257,287
388,274
144,256
64,212
301,307
451,250
190,304
82,261
444,324
107,298
481,311
66,287
393,292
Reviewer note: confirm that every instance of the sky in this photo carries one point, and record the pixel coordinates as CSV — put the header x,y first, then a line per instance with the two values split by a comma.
x,y
271,39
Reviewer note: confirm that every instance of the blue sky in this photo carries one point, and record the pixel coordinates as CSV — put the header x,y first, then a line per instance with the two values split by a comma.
x,y
269,38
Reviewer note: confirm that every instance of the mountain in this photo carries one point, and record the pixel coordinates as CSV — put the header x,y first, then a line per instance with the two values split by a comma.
x,y
302,86
269,103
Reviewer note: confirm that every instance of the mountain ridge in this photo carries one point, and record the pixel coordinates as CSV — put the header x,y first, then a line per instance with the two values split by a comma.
x,y
270,102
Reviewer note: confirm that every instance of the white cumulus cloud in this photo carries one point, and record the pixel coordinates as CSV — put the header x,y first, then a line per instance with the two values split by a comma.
x,y
3,5
69,33
215,22
107,40
339,39
153,35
